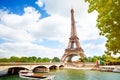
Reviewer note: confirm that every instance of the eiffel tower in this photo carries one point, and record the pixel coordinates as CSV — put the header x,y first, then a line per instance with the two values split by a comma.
x,y
74,48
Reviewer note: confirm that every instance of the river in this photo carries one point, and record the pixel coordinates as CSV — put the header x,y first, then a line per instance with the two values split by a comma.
x,y
69,74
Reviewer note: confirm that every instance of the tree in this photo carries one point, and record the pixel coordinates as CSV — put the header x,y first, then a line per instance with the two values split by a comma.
x,y
32,59
24,59
108,22
14,59
55,59
46,60
4,60
39,59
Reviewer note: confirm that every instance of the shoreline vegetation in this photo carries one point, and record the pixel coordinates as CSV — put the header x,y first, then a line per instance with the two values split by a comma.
x,y
103,60
32,59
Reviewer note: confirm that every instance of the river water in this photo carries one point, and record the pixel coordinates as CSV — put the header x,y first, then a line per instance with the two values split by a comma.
x,y
69,74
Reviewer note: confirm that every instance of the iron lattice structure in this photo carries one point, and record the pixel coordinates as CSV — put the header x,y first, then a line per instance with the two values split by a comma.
x,y
74,48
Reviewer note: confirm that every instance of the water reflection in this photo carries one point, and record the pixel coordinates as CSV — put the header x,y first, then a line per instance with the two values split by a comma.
x,y
75,75
86,75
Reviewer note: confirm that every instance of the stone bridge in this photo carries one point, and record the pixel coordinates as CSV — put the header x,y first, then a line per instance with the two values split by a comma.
x,y
13,68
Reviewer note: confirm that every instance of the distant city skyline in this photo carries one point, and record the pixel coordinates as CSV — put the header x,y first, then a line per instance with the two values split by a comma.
x,y
41,28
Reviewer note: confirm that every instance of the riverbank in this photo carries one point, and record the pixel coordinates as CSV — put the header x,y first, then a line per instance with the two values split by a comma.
x,y
99,68
80,68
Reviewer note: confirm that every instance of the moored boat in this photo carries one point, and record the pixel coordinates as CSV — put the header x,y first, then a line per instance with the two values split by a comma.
x,y
116,70
106,68
30,75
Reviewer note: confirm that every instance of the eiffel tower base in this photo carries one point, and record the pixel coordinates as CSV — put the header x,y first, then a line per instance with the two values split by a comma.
x,y
69,54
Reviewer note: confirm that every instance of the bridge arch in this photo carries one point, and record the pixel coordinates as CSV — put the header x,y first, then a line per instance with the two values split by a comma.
x,y
40,69
53,67
61,66
15,70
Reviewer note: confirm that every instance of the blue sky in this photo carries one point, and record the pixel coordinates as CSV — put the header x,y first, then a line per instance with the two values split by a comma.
x,y
17,7
41,28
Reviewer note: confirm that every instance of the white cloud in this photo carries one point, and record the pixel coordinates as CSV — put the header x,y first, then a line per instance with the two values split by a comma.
x,y
14,35
39,3
31,15
20,22
16,28
27,49
22,31
53,27
86,23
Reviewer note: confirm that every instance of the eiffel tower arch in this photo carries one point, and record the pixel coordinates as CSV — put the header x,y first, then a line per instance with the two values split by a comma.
x,y
74,48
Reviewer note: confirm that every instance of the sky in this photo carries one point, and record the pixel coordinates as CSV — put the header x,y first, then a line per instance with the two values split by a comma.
x,y
41,28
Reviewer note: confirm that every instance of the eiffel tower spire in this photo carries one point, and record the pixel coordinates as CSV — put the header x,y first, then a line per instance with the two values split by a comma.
x,y
74,48
74,40
73,29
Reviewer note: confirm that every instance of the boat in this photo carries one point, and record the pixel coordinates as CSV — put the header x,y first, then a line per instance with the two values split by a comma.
x,y
106,68
116,70
30,75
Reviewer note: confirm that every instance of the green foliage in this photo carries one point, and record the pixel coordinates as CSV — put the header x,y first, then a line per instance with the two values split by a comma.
x,y
83,59
14,59
108,22
32,59
55,59
28,59
46,60
4,60
39,59
105,59
94,58
23,59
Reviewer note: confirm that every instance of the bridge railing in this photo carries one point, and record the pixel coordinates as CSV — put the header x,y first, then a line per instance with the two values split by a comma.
x,y
41,63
